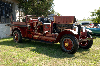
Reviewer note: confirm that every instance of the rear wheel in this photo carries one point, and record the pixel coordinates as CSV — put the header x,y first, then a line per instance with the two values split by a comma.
x,y
17,36
86,44
69,44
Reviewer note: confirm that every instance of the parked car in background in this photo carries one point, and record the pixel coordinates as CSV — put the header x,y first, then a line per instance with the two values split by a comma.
x,y
98,26
87,23
95,30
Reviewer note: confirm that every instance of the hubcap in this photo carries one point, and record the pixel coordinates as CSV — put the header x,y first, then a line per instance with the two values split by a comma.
x,y
68,43
16,37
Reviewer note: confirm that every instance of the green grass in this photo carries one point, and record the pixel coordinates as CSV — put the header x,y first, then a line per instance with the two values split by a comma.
x,y
30,53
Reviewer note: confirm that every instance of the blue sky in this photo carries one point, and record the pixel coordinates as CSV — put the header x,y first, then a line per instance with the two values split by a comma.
x,y
78,8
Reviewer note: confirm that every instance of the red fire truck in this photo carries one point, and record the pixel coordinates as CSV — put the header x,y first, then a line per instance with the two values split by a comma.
x,y
60,29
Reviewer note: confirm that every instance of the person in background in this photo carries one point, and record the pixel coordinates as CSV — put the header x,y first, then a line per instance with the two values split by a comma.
x,y
41,22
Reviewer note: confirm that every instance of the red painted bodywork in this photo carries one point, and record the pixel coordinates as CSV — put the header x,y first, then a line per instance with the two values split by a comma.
x,y
33,32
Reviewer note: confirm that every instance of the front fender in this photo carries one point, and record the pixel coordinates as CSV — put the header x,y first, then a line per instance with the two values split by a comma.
x,y
66,32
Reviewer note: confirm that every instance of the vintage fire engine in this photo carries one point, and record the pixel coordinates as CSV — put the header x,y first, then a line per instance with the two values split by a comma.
x,y
60,29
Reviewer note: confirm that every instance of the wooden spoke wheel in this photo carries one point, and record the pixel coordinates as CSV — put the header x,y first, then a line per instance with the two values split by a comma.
x,y
69,44
17,36
86,44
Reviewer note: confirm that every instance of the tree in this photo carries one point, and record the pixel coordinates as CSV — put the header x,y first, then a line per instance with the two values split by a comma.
x,y
56,13
96,14
36,7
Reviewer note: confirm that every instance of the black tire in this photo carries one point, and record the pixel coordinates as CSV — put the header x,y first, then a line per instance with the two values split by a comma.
x,y
74,42
89,43
18,38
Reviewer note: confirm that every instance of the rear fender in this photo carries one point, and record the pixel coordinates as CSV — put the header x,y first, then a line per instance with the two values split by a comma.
x,y
21,31
15,28
61,34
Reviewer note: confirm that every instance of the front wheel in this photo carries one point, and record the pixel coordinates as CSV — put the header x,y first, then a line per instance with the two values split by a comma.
x,y
69,44
17,36
86,44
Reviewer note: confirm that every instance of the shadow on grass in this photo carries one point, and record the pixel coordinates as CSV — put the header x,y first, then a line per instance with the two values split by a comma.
x,y
51,50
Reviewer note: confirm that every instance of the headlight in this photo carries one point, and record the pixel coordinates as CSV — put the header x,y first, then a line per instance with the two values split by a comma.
x,y
82,28
75,28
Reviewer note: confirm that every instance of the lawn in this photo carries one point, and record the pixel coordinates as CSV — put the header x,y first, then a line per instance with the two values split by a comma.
x,y
31,53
